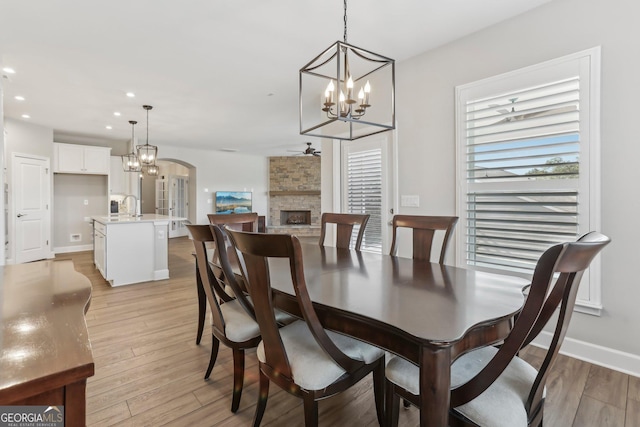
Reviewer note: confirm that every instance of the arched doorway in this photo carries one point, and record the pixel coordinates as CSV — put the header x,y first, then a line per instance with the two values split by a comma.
x,y
172,192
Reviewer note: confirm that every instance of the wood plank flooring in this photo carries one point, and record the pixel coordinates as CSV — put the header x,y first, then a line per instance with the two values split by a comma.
x,y
149,371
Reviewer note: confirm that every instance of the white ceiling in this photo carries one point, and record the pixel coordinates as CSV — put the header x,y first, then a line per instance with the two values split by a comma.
x,y
219,74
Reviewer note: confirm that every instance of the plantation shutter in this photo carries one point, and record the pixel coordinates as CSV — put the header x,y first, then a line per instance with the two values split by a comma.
x,y
364,194
522,171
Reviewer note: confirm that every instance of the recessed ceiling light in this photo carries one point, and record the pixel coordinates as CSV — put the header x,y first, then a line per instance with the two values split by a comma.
x,y
131,94
9,70
26,116
117,113
109,127
19,98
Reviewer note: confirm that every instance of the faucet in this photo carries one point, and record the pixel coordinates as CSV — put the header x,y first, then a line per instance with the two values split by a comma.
x,y
135,205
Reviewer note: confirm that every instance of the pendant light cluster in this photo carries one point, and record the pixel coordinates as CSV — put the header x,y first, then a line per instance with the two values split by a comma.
x,y
143,159
347,92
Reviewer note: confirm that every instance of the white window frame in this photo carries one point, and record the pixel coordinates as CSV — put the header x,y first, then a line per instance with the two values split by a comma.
x,y
589,299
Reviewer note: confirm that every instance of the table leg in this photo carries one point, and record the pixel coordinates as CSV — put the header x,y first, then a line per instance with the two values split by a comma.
x,y
202,304
435,382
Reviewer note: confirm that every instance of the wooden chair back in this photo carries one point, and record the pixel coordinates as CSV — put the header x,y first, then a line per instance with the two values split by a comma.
x,y
256,249
242,221
344,228
222,265
424,228
555,283
202,236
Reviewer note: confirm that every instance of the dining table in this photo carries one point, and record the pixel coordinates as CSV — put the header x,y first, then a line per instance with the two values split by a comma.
x,y
425,312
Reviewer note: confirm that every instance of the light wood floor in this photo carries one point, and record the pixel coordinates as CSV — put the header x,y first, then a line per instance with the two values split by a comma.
x,y
149,371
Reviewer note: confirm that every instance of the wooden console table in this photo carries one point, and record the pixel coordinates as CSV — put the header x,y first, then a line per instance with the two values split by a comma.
x,y
45,353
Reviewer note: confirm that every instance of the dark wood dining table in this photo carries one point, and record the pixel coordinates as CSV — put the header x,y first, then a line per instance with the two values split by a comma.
x,y
426,312
45,352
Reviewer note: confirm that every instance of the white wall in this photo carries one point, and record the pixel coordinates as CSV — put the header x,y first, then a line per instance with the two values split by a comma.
x,y
70,213
426,141
222,171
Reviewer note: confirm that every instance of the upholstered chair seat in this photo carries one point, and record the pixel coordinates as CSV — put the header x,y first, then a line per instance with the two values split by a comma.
x,y
501,405
311,367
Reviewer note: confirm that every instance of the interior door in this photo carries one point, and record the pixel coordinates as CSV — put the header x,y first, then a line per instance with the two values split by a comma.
x,y
162,202
178,204
31,200
366,187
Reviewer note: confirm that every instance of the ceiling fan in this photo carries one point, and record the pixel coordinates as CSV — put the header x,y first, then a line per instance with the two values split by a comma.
x,y
533,114
310,151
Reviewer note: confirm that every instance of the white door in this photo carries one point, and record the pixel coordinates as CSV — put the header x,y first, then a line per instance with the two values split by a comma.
x,y
178,203
367,189
31,200
162,202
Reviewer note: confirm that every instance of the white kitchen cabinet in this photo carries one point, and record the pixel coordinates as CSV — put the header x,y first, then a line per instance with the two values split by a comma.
x,y
118,178
81,159
99,248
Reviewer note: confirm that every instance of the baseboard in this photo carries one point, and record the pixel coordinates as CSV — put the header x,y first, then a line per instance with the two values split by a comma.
x,y
598,355
68,249
161,274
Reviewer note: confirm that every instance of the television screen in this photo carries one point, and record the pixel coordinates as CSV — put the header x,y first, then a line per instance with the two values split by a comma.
x,y
228,202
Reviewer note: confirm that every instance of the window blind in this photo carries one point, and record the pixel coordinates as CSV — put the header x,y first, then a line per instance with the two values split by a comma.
x,y
522,170
364,194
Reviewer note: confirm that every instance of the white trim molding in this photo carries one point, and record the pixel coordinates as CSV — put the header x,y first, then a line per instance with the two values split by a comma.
x,y
69,249
598,355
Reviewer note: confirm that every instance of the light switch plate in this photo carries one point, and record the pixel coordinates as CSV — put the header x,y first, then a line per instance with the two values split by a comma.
x,y
410,201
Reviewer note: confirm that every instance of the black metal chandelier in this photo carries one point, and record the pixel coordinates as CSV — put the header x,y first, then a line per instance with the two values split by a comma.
x,y
147,153
347,92
130,162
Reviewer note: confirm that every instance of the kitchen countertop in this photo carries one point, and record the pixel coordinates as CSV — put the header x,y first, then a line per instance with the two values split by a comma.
x,y
127,219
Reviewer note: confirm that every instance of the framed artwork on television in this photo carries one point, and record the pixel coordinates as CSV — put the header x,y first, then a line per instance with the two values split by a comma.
x,y
228,202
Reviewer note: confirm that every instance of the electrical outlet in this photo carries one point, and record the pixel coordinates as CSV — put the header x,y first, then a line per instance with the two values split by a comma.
x,y
75,237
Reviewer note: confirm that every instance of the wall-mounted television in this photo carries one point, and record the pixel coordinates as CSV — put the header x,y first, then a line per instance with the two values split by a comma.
x,y
228,202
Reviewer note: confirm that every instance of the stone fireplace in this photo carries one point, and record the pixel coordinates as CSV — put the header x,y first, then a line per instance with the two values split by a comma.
x,y
294,195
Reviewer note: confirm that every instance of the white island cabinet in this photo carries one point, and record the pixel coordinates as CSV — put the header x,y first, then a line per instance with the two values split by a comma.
x,y
131,250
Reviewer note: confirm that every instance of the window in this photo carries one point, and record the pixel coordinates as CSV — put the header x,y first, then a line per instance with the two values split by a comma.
x,y
365,187
528,166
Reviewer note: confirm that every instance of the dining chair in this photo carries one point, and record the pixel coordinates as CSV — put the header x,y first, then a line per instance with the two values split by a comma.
x,y
302,358
424,228
233,319
493,387
240,221
244,221
344,228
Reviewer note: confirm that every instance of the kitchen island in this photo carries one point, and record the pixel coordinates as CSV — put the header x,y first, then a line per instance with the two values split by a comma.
x,y
129,249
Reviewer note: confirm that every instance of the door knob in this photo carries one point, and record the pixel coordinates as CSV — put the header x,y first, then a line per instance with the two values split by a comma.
x,y
21,215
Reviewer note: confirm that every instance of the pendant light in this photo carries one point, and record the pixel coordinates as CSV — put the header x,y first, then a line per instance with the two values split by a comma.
x,y
347,92
147,154
130,162
151,170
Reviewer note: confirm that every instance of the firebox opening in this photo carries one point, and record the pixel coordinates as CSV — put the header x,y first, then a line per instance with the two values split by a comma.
x,y
295,217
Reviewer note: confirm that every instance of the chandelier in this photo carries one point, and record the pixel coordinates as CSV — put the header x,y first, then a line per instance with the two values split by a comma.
x,y
147,154
347,92
151,170
130,162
